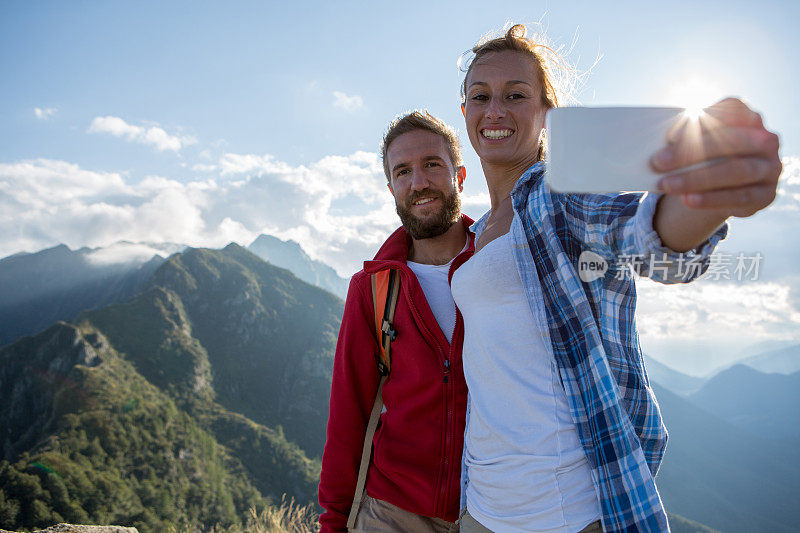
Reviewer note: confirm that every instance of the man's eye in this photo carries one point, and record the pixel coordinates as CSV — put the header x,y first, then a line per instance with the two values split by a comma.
x,y
401,172
432,164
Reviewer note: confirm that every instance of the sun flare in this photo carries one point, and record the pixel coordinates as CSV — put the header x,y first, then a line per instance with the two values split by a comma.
x,y
694,94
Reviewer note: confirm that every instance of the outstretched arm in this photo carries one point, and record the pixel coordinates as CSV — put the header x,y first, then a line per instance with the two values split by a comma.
x,y
739,178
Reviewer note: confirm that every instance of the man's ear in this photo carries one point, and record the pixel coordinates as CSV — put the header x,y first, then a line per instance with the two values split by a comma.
x,y
464,110
460,176
389,185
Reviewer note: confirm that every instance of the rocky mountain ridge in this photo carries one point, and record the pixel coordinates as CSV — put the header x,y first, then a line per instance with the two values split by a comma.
x,y
130,415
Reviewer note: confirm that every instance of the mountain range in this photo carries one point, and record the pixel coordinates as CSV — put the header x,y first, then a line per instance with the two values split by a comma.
x,y
203,396
762,404
204,393
670,378
38,289
784,360
58,283
289,255
724,476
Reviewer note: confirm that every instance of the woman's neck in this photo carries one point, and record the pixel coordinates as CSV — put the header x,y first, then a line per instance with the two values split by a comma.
x,y
501,179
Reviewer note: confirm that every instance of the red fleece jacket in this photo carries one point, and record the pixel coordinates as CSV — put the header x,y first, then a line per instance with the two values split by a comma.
x,y
416,456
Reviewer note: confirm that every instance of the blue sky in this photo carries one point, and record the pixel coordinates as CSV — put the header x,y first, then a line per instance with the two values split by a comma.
x,y
206,122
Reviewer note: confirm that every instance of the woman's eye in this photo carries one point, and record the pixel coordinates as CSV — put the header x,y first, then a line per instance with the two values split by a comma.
x,y
479,97
515,96
432,164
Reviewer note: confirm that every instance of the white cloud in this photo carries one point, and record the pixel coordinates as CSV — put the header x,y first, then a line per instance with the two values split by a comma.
x,y
44,183
789,185
44,113
347,102
338,208
720,310
707,324
124,252
153,136
251,163
476,202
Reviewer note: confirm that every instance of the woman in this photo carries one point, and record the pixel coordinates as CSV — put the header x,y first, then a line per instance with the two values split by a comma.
x,y
563,431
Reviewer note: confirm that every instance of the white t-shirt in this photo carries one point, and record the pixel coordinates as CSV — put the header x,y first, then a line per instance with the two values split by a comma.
x,y
433,279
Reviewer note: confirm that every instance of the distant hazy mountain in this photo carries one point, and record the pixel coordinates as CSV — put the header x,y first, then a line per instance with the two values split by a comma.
x,y
670,378
783,360
289,255
58,283
763,404
725,477
203,396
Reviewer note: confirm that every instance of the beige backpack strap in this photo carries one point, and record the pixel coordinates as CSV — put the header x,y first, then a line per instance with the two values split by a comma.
x,y
385,292
366,453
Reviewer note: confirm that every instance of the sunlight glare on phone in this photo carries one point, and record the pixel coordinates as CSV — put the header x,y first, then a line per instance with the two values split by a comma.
x,y
694,113
694,94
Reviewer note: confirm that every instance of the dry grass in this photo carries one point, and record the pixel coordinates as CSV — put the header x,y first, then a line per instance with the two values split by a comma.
x,y
289,517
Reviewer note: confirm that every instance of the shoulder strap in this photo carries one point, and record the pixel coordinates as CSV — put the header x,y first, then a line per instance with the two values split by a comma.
x,y
385,291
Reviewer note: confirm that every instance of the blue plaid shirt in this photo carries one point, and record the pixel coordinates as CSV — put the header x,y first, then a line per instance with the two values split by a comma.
x,y
592,330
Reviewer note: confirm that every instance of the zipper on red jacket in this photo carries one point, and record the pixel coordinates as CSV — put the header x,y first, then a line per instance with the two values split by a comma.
x,y
450,395
448,423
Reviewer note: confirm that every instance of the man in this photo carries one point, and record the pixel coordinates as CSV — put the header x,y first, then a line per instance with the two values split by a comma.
x,y
413,481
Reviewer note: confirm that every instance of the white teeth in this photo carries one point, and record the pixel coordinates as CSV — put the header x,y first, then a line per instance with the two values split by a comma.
x,y
423,201
496,134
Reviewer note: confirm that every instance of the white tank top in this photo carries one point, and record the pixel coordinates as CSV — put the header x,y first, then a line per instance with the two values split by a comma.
x,y
525,465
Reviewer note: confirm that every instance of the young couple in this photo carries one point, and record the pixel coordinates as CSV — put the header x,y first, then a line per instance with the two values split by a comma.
x,y
560,430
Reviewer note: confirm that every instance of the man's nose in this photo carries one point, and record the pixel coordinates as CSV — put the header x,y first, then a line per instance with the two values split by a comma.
x,y
419,180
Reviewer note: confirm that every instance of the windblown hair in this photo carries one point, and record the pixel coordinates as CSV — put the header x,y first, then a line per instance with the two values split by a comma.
x,y
559,80
421,120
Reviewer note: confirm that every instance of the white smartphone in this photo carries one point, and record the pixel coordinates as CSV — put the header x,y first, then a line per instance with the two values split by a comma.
x,y
606,149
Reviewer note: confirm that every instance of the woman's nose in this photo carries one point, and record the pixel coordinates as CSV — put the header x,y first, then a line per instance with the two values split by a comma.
x,y
495,109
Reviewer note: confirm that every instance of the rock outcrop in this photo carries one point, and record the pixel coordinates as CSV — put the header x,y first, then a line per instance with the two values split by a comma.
x,y
70,528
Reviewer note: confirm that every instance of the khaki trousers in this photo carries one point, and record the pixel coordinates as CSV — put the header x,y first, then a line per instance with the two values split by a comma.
x,y
470,525
378,516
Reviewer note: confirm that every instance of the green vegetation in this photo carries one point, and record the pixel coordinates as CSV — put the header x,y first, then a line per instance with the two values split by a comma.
x,y
136,415
127,456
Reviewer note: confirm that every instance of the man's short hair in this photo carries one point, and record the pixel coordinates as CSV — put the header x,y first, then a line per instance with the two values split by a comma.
x,y
421,120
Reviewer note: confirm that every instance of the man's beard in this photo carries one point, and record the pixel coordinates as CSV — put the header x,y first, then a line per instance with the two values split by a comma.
x,y
436,224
